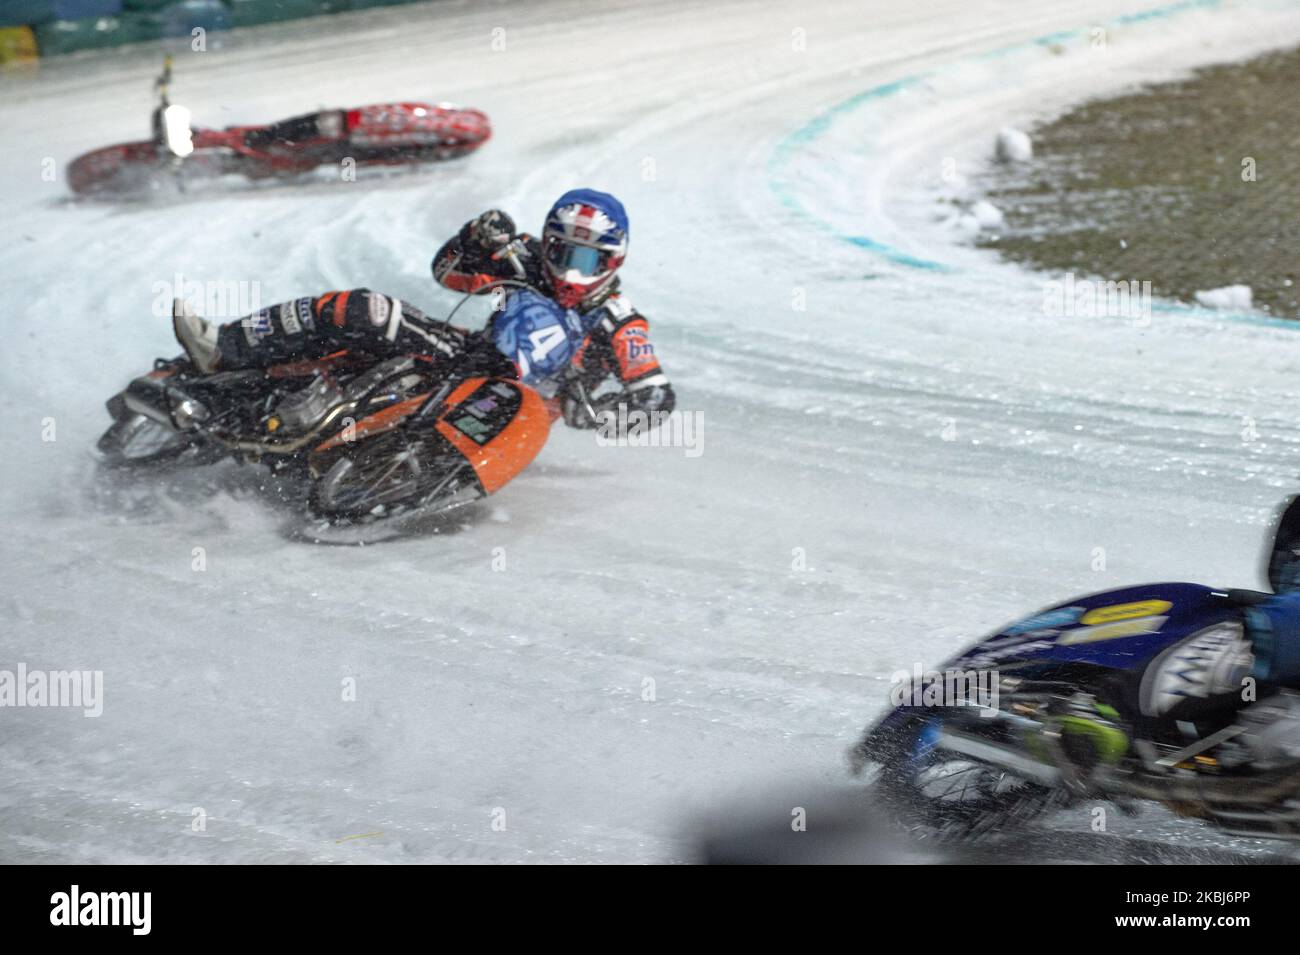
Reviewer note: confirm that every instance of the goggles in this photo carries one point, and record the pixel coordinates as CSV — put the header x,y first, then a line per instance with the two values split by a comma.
x,y
584,259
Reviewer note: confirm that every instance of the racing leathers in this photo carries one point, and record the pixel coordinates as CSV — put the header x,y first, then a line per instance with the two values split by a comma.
x,y
358,320
616,348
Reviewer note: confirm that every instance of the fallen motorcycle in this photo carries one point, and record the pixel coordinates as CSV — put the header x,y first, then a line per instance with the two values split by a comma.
x,y
384,134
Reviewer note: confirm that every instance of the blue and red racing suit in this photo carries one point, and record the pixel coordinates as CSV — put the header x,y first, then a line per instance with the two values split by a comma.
x,y
606,340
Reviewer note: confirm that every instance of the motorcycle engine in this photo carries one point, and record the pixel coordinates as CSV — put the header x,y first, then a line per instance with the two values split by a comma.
x,y
1272,730
299,410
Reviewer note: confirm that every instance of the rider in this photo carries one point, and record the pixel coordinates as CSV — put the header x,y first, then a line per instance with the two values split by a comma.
x,y
574,263
584,243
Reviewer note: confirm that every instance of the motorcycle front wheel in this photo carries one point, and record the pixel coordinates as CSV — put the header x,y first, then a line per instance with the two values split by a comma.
x,y
943,795
393,474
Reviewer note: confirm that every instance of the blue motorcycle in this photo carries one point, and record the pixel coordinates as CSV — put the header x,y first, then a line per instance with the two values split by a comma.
x,y
1170,693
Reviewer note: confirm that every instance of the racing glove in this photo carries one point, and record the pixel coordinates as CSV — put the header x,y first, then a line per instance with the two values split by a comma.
x,y
491,231
581,411
516,254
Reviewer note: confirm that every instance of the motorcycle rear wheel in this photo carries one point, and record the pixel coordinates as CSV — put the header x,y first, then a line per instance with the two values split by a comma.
x,y
135,441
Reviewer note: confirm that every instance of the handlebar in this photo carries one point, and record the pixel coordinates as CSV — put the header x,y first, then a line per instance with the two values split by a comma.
x,y
490,286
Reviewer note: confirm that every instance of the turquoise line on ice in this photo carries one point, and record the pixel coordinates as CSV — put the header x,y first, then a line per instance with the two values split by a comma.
x,y
1210,314
807,134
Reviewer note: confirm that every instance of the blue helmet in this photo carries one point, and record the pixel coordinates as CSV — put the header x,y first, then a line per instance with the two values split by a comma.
x,y
584,241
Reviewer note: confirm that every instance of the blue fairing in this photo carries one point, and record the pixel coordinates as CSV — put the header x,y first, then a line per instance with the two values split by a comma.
x,y
1119,629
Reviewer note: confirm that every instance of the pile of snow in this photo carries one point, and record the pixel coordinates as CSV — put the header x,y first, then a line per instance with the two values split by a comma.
x,y
987,215
1237,297
1014,145
982,215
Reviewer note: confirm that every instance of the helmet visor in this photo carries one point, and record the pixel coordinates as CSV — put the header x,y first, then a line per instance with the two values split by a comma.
x,y
583,259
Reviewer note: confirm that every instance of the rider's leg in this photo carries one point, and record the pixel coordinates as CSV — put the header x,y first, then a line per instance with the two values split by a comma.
x,y
1200,676
197,336
1274,628
1217,671
285,332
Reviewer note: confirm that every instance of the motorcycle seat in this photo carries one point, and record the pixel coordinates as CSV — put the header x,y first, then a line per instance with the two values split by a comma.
x,y
1237,597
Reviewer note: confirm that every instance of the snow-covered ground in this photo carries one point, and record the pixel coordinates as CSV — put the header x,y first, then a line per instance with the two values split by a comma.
x,y
901,450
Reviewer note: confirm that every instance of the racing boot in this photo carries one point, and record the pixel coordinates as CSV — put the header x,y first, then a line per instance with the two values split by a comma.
x,y
197,336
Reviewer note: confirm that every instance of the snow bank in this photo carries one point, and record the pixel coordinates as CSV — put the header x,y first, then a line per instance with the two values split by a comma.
x,y
1235,297
1014,145
981,216
987,215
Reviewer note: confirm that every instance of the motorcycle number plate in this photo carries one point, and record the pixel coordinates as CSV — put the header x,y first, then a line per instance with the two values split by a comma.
x,y
486,412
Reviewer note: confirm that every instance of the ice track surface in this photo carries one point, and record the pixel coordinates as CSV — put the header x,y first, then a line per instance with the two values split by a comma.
x,y
757,175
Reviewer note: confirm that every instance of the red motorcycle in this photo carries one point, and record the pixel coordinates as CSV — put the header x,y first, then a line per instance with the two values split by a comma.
x,y
385,134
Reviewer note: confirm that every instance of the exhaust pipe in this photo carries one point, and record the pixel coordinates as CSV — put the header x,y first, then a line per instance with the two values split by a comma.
x,y
141,406
160,401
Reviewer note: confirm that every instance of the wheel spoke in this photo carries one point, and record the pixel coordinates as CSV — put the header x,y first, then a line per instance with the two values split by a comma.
x,y
390,471
139,439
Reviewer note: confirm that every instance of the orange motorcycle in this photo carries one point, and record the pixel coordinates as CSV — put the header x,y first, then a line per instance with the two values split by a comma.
x,y
379,444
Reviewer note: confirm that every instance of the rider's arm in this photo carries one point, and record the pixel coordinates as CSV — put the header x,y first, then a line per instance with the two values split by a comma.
x,y
1274,631
479,254
620,349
